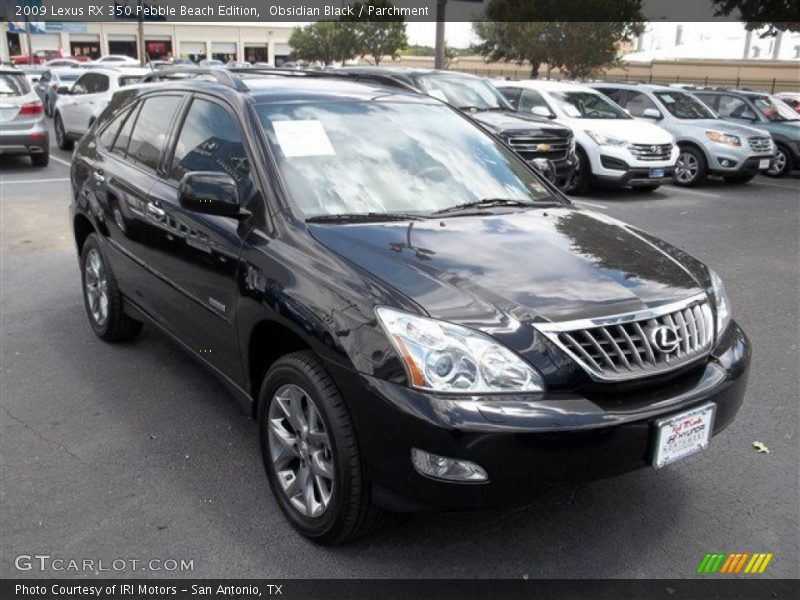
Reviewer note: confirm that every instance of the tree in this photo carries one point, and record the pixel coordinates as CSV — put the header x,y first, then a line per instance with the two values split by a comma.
x,y
758,14
326,42
379,36
579,48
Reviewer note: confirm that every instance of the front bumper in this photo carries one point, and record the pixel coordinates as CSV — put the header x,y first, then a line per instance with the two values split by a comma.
x,y
733,164
527,443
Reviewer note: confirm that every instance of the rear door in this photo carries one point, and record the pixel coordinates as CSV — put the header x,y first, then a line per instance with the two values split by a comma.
x,y
198,254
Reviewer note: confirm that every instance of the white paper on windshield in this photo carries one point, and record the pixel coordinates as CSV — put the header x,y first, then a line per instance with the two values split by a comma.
x,y
302,138
667,98
438,94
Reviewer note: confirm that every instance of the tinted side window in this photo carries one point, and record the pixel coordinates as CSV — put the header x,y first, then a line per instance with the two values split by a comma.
x,y
100,84
151,130
512,95
531,98
110,131
210,140
616,95
80,86
124,137
736,108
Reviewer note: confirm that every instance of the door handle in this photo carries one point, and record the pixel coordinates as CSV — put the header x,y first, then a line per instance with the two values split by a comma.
x,y
155,210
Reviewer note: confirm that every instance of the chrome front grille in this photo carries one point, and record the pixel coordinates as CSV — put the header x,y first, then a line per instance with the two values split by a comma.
x,y
531,147
632,345
651,151
761,145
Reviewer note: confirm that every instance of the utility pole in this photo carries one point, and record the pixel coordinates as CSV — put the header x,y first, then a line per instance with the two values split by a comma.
x,y
140,38
438,62
30,41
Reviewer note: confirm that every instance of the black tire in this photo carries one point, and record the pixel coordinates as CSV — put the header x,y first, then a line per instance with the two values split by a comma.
x,y
697,160
62,141
349,512
48,112
117,326
646,188
782,164
40,160
578,182
739,179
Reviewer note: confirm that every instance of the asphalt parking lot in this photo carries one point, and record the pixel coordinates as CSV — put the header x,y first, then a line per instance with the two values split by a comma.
x,y
135,452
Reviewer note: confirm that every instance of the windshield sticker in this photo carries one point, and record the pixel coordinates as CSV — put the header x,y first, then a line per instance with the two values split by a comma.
x,y
667,98
302,138
438,94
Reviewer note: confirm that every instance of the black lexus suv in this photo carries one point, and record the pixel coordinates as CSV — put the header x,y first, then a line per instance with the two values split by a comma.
x,y
537,140
414,316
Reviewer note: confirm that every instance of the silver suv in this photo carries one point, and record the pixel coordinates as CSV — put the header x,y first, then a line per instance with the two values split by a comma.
x,y
708,145
22,127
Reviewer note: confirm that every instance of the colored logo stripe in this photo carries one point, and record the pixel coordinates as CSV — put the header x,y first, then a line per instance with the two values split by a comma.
x,y
722,562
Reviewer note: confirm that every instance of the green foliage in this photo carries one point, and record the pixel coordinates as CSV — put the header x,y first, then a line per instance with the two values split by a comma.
x,y
380,36
325,42
579,49
757,14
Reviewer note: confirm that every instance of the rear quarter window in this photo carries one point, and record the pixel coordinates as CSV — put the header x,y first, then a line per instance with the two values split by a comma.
x,y
13,84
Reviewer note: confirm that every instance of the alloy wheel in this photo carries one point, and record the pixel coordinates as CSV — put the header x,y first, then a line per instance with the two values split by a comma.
x,y
300,450
686,168
778,164
96,287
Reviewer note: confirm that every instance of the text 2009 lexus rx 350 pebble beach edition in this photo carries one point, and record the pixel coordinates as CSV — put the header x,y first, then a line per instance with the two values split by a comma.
x,y
415,318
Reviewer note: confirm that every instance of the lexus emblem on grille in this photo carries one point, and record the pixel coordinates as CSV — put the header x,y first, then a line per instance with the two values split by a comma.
x,y
664,338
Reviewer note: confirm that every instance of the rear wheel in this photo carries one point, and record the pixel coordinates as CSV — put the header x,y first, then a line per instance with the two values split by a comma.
x,y
40,160
63,142
48,111
739,179
578,182
102,298
781,165
311,453
691,169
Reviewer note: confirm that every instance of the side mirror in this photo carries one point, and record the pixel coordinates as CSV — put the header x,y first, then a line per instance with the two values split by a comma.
x,y
210,193
652,113
541,111
63,90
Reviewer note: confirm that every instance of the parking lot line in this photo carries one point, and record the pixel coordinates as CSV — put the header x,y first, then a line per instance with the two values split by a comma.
x,y
30,181
694,192
60,160
778,185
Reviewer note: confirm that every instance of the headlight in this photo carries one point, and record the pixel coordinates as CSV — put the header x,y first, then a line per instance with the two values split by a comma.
x,y
605,140
723,138
444,357
722,303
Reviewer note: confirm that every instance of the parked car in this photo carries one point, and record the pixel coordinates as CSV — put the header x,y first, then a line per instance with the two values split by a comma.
x,y
548,146
39,57
414,317
50,80
708,145
66,62
263,65
211,63
79,105
766,112
238,64
791,98
117,60
22,126
613,149
32,74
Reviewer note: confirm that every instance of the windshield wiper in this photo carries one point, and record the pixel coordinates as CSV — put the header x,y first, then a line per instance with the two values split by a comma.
x,y
374,217
491,203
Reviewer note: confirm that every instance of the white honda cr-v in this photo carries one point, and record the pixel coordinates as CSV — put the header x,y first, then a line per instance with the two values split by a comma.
x,y
612,147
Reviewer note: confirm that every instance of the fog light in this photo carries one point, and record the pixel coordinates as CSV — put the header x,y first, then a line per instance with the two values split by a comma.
x,y
727,163
451,469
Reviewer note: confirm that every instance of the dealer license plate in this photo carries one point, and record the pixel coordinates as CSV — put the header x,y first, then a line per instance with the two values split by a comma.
x,y
682,435
656,173
764,163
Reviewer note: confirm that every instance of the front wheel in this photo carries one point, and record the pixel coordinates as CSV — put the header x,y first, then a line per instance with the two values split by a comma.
x,y
64,143
102,298
311,453
781,165
691,169
578,181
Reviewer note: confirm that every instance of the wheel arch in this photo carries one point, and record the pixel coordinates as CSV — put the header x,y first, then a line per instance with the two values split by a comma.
x,y
82,227
694,146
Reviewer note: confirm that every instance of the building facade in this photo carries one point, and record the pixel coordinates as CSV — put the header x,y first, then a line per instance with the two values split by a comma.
x,y
253,42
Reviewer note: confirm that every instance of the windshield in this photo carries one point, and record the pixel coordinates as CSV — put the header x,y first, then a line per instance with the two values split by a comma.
x,y
684,106
464,92
587,105
71,75
13,84
775,110
354,157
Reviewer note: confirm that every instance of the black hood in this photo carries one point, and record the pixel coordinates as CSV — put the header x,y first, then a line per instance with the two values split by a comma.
x,y
551,264
506,122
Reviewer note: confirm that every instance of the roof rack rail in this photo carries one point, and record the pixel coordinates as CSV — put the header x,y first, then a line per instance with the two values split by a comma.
x,y
222,76
288,72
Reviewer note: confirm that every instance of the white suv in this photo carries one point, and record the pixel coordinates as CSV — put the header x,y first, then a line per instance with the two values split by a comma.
x,y
613,148
78,106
